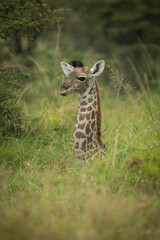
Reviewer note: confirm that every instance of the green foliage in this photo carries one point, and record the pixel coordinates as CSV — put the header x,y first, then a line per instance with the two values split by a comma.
x,y
25,18
11,108
20,19
124,31
115,21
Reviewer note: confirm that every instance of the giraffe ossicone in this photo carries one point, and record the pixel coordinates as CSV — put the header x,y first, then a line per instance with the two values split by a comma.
x,y
87,133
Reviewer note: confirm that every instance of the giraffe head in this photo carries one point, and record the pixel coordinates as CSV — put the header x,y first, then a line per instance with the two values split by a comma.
x,y
78,77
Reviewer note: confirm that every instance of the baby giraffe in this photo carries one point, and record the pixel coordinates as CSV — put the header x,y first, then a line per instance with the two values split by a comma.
x,y
87,133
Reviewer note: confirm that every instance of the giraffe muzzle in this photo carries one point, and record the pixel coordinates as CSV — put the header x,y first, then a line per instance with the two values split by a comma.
x,y
63,94
63,90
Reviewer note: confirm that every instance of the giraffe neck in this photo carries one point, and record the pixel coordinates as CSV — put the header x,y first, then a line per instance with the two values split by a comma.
x,y
85,134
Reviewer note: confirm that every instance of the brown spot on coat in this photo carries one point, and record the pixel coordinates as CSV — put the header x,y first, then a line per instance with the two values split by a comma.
x,y
93,115
88,115
83,109
83,146
83,103
89,108
81,118
90,100
93,125
79,135
87,129
81,126
89,139
94,104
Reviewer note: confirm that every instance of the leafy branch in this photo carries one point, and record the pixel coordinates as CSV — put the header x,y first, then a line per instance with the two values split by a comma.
x,y
24,18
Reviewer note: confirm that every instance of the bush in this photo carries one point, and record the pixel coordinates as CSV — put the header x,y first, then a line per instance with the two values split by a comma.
x,y
11,107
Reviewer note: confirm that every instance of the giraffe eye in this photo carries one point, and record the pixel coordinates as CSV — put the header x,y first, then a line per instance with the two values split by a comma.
x,y
81,79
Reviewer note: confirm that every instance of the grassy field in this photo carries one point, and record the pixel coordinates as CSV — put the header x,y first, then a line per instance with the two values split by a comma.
x,y
45,195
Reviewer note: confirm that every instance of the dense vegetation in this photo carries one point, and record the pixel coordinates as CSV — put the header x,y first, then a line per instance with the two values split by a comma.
x,y
43,193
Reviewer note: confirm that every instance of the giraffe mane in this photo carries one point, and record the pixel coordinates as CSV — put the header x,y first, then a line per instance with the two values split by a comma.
x,y
99,117
76,63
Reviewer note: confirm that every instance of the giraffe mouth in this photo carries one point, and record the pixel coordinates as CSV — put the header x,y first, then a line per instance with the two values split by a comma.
x,y
63,93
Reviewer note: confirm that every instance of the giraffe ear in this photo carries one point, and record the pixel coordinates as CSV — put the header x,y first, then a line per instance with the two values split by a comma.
x,y
98,68
66,67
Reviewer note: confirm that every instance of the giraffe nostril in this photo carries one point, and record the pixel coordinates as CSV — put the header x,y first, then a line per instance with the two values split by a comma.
x,y
64,86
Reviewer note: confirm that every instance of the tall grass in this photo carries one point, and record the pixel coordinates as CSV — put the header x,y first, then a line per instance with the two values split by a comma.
x,y
45,195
